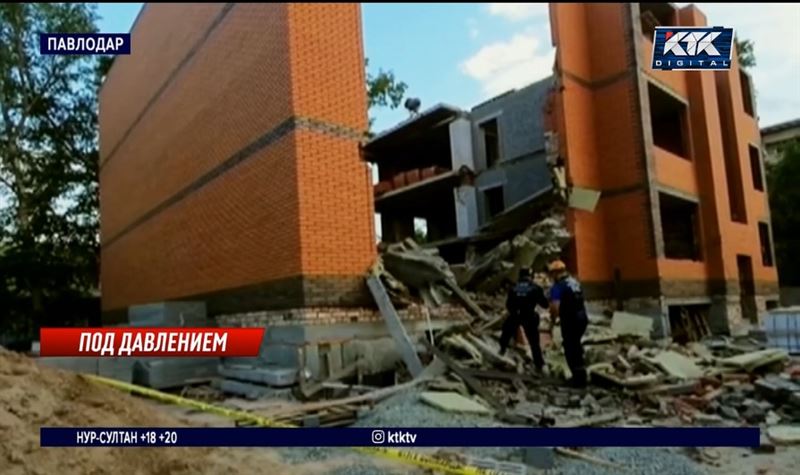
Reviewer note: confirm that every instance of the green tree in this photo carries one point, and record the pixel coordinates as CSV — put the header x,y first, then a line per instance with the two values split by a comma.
x,y
745,53
784,196
383,90
48,160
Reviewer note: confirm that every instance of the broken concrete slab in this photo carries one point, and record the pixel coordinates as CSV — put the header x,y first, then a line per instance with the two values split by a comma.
x,y
496,466
165,373
453,402
677,365
407,350
583,198
624,323
272,376
785,435
754,360
491,352
700,350
416,267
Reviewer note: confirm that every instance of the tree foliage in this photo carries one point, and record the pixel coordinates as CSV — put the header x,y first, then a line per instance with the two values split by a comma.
x,y
745,53
784,195
48,161
384,89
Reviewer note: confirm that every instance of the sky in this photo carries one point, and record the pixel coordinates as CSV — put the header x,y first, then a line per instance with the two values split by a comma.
x,y
462,54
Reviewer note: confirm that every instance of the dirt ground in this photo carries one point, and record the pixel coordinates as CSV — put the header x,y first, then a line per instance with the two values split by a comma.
x,y
785,461
32,396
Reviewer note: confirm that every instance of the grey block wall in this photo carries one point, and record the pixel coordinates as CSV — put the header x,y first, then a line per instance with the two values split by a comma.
x,y
522,169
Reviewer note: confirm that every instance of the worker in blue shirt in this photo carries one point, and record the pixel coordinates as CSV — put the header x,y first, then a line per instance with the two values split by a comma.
x,y
521,304
567,306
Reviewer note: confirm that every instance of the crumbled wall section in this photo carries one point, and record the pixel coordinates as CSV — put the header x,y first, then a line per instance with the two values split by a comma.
x,y
229,158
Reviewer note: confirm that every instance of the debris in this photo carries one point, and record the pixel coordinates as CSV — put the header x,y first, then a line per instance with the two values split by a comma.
x,y
496,466
473,384
592,421
757,359
772,419
588,458
677,365
362,398
396,329
312,389
678,389
729,413
471,306
583,198
624,323
491,353
453,402
788,435
765,445
542,458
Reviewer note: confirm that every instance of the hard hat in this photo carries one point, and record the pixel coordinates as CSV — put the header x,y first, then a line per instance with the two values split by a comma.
x,y
556,265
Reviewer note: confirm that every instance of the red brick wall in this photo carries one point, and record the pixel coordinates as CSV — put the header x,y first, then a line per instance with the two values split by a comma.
x,y
604,140
187,208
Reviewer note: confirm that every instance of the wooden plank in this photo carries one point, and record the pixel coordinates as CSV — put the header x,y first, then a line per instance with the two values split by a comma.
x,y
590,458
309,390
395,326
475,386
592,421
468,303
362,398
510,376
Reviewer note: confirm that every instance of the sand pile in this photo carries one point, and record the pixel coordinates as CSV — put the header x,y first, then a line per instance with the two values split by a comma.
x,y
32,396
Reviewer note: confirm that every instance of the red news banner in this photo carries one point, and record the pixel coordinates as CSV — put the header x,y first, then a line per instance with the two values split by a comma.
x,y
150,341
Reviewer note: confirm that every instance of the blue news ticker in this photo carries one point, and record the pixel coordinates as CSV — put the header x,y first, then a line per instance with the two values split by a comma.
x,y
400,437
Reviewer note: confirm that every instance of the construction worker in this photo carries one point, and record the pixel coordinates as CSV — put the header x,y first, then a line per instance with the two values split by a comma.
x,y
567,305
521,303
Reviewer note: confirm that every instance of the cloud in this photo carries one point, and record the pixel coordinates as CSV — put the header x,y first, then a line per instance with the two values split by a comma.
x,y
505,65
518,11
773,30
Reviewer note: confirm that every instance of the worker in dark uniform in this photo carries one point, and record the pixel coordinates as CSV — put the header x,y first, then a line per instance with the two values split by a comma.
x,y
521,303
567,305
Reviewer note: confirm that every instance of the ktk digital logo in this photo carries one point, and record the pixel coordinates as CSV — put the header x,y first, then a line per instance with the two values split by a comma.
x,y
692,48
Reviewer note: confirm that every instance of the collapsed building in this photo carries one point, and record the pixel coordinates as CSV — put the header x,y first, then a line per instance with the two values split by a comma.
x,y
233,173
681,231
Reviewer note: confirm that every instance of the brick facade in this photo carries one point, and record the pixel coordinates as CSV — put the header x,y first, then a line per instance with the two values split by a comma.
x,y
338,315
229,158
602,113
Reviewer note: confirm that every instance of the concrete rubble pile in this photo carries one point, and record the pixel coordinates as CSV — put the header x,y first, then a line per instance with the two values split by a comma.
x,y
635,380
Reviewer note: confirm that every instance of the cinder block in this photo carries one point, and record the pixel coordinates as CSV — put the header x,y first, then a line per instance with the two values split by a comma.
x,y
161,373
273,376
116,368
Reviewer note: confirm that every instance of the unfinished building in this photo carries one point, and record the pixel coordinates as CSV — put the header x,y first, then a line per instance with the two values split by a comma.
x,y
239,179
230,173
462,172
682,230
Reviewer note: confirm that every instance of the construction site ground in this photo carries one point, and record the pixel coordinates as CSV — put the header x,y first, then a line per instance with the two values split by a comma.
x,y
32,396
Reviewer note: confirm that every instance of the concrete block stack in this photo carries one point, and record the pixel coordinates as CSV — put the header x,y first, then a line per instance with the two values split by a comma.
x,y
168,372
159,373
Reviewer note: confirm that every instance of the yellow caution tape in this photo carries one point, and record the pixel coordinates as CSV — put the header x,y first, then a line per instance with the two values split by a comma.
x,y
414,458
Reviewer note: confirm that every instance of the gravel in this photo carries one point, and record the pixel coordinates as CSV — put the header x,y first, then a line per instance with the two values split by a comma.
x,y
405,410
640,461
